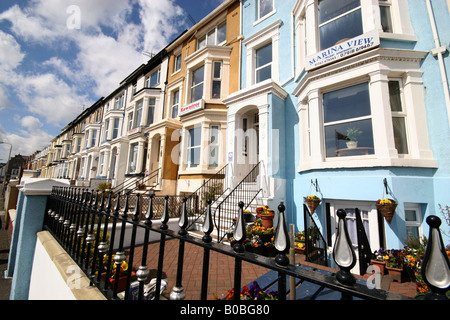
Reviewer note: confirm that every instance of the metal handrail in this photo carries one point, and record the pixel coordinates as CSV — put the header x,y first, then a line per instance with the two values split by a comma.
x,y
144,180
218,218
191,200
322,260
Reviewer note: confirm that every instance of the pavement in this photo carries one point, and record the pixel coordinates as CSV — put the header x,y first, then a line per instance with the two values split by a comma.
x,y
5,284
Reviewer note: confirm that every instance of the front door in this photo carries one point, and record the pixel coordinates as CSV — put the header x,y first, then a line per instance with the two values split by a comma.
x,y
369,219
248,144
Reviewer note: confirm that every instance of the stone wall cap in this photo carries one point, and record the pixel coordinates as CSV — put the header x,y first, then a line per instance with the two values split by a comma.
x,y
41,186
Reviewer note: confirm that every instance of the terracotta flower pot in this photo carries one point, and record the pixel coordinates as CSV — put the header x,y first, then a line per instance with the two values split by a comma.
x,y
395,274
380,264
267,221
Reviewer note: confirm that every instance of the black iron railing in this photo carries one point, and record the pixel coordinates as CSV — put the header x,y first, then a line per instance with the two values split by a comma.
x,y
315,244
87,226
226,211
132,185
211,189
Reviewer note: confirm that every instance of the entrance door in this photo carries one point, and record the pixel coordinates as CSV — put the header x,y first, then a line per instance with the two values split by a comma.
x,y
369,219
155,158
248,144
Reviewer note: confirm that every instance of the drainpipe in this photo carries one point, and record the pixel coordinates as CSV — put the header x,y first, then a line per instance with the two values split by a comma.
x,y
439,51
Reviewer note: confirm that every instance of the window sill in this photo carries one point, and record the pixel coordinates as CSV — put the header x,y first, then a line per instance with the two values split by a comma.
x,y
367,162
265,17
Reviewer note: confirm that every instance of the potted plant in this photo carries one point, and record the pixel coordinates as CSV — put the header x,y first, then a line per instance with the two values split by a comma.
x,y
378,259
300,242
267,216
387,208
120,276
394,264
247,216
141,186
352,136
313,202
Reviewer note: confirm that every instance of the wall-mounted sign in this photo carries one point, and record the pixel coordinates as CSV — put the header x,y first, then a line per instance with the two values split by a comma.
x,y
343,50
197,105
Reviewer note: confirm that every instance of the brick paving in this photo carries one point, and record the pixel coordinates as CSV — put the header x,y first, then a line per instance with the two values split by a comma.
x,y
221,271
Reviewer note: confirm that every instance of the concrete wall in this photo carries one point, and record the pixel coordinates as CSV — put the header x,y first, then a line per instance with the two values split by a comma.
x,y
55,276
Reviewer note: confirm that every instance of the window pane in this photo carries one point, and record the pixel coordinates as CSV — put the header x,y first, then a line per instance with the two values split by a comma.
x,y
394,95
338,144
346,27
412,232
400,138
217,70
386,21
214,157
410,215
347,103
264,55
221,33
329,9
265,7
216,89
195,136
201,42
264,74
195,157
198,76
211,39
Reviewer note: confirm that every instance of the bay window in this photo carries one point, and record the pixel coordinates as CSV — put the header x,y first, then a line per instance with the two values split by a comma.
x,y
153,80
339,20
130,121
347,122
94,138
106,132
198,78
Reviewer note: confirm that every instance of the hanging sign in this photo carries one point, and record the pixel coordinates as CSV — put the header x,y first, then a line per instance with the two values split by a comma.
x,y
343,50
197,105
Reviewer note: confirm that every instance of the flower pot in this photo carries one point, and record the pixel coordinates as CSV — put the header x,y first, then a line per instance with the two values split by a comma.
x,y
312,204
380,264
352,144
267,221
387,210
395,274
122,281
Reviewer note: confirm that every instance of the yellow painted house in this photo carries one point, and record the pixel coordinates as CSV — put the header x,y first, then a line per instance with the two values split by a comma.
x,y
203,69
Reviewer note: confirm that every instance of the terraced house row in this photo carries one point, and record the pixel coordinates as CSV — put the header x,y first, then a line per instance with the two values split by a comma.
x,y
280,99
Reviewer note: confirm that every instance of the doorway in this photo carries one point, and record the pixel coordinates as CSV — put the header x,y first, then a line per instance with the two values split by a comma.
x,y
360,215
247,143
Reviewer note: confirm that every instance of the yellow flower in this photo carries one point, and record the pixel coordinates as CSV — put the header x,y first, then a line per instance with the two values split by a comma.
x,y
386,257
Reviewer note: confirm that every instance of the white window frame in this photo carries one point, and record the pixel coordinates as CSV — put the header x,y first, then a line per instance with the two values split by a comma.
x,y
106,131
192,147
402,114
204,40
138,113
133,157
151,106
175,104
130,120
271,33
193,87
418,223
259,17
177,62
149,79
214,146
115,130
216,79
388,5
270,64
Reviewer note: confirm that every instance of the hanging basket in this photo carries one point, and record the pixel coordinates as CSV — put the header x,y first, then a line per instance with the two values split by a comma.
x,y
312,203
387,209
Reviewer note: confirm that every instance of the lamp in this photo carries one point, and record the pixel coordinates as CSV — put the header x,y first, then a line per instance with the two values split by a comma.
x,y
7,166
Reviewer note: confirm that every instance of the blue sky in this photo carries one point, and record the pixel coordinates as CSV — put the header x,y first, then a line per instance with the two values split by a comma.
x,y
60,56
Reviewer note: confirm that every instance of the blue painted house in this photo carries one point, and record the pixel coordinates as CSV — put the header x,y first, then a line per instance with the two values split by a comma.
x,y
351,110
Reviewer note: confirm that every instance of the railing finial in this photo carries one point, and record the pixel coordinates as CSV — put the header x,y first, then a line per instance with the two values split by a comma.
x,y
281,241
165,215
184,221
208,225
343,252
239,233
436,266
